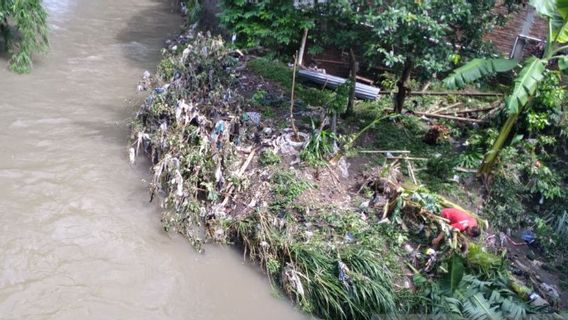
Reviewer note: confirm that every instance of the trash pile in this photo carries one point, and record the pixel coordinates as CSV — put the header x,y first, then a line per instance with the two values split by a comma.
x,y
191,128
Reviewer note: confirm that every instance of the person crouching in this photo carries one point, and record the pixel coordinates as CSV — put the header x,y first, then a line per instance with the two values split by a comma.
x,y
459,220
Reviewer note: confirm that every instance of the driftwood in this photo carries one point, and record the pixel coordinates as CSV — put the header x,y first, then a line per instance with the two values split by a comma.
x,y
443,116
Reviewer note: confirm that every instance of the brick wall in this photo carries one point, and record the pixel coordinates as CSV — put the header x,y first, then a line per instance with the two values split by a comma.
x,y
504,37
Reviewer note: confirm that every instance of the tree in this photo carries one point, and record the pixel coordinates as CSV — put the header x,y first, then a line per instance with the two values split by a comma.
x,y
23,25
424,37
275,24
529,77
414,38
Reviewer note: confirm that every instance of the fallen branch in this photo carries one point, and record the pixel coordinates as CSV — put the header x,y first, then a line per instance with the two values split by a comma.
x,y
443,116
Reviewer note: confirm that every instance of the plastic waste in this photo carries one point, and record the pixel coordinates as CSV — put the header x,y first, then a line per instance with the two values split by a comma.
x,y
343,276
253,117
528,236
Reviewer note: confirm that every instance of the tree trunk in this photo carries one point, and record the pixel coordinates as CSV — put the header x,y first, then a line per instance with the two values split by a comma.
x,y
354,70
491,156
401,84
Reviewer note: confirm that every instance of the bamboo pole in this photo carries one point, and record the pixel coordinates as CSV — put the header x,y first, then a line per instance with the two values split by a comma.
x,y
303,47
443,116
471,110
296,135
447,93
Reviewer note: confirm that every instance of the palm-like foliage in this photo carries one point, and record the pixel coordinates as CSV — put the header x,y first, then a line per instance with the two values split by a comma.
x,y
23,24
529,77
477,69
474,299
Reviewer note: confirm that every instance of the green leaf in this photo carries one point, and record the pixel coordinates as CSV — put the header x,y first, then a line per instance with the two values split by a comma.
x,y
476,69
562,7
563,63
559,28
455,274
545,8
477,307
526,84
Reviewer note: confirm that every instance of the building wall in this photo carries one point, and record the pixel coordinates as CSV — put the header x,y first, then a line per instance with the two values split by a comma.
x,y
524,22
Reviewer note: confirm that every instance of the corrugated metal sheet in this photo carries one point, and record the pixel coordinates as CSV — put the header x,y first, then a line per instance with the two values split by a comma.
x,y
362,91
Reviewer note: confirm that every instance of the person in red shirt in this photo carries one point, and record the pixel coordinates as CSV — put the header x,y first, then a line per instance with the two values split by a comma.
x,y
458,220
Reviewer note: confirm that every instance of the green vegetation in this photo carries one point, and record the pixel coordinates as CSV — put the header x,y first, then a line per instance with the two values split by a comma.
x,y
279,73
273,24
329,261
530,76
23,27
392,36
358,244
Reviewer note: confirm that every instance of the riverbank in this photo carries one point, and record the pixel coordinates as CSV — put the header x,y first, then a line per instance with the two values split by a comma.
x,y
343,241
79,239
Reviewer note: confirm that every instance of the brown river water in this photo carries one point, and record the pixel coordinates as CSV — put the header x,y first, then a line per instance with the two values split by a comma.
x,y
78,238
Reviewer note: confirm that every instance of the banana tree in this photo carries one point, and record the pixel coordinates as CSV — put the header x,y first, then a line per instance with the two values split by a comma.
x,y
530,75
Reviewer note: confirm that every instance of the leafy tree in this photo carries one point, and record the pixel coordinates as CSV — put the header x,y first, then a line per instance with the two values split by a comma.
x,y
275,24
23,25
530,76
421,37
425,37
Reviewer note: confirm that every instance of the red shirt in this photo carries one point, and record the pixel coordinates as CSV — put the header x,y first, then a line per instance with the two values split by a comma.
x,y
459,219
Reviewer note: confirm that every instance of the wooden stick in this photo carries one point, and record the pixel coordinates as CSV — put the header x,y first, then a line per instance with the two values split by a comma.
x,y
460,169
407,158
303,47
451,106
443,116
384,151
447,93
247,162
231,186
292,98
471,110
331,61
409,166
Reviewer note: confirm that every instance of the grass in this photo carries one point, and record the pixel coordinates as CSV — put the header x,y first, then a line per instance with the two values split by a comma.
x,y
278,72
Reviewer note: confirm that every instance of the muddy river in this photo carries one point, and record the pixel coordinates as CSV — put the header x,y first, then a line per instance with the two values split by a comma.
x,y
78,238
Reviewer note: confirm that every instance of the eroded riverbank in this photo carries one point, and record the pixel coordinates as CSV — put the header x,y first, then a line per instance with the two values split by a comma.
x,y
79,239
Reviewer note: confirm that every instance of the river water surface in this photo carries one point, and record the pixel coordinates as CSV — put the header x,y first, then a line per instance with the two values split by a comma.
x,y
78,238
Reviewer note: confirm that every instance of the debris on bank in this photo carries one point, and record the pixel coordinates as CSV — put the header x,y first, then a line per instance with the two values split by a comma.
x,y
224,174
